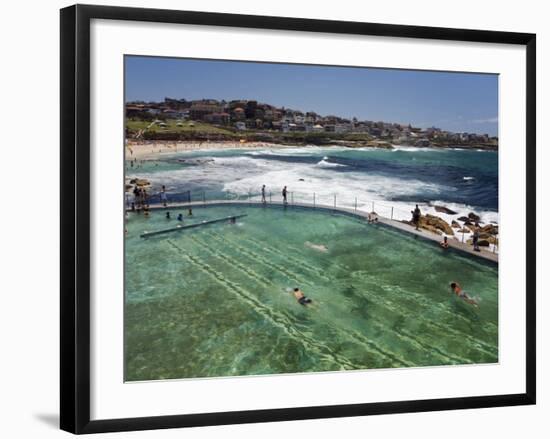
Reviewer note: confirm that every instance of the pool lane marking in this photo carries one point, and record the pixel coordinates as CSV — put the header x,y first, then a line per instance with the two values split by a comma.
x,y
262,260
396,290
281,254
440,305
420,345
412,339
354,335
324,351
418,298
392,305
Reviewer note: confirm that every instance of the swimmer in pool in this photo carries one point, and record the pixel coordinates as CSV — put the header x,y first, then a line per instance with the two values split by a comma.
x,y
457,289
319,247
300,297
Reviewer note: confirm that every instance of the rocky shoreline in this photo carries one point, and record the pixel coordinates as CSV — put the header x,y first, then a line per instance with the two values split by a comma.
x,y
488,233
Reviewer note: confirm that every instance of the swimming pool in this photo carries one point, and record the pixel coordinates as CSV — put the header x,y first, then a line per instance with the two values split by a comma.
x,y
215,300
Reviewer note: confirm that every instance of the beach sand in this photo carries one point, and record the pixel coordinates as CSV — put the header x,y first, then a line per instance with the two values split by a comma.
x,y
150,150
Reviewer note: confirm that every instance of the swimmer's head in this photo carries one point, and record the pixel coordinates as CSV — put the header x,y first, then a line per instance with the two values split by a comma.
x,y
453,284
296,289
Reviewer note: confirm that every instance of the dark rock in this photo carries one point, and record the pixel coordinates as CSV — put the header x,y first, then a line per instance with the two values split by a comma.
x,y
430,222
455,225
463,218
483,243
444,209
491,229
473,216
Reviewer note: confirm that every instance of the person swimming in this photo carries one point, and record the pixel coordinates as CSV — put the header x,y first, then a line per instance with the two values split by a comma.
x,y
457,289
444,243
180,217
319,247
167,215
301,297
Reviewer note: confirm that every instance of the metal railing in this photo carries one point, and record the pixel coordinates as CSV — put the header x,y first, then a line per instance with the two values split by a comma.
x,y
297,198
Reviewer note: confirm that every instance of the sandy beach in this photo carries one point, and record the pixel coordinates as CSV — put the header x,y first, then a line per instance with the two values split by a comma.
x,y
149,150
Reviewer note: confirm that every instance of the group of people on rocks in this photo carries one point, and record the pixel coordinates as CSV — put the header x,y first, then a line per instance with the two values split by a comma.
x,y
416,215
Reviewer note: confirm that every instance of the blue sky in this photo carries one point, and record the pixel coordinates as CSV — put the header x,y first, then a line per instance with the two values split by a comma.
x,y
452,101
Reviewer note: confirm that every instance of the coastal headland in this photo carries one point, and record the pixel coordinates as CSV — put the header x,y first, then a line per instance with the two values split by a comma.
x,y
250,121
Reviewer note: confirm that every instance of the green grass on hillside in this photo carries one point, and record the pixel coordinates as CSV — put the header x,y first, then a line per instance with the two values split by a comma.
x,y
172,127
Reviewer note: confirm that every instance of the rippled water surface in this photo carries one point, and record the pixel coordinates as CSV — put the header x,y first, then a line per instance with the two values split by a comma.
x,y
215,301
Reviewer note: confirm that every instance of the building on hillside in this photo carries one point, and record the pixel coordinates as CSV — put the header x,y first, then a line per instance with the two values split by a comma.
x,y
238,114
217,118
199,111
250,109
135,110
343,128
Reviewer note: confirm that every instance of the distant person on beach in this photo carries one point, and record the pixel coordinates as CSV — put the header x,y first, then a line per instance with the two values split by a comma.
x,y
284,195
263,194
163,197
444,243
457,289
301,297
190,212
416,216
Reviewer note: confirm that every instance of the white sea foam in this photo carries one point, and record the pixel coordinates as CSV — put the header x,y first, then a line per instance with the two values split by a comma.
x,y
327,164
298,151
415,148
468,178
305,180
245,174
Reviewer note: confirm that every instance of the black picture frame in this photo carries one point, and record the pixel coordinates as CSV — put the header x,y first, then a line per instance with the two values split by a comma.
x,y
75,218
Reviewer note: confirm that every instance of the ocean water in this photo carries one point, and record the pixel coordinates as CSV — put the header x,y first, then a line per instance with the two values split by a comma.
x,y
215,301
463,180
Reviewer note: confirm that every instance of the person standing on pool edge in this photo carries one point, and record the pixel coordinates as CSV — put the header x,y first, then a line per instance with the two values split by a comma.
x,y
163,197
284,195
416,216
263,194
475,238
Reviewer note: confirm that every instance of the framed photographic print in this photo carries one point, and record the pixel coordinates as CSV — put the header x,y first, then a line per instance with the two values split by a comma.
x,y
268,218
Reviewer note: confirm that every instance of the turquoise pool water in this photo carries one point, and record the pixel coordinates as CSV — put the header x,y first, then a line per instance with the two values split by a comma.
x,y
214,301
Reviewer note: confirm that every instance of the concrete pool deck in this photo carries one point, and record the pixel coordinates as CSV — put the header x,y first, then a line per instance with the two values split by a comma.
x,y
399,225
